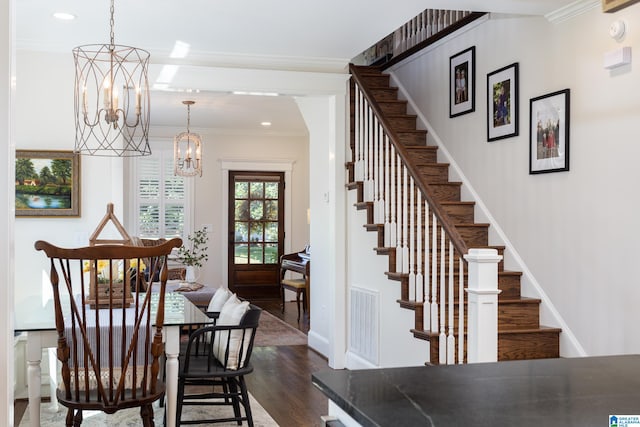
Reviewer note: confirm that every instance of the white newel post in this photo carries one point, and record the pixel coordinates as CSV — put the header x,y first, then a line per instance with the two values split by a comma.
x,y
482,329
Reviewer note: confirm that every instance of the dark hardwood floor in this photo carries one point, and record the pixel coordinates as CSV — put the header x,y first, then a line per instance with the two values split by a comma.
x,y
281,380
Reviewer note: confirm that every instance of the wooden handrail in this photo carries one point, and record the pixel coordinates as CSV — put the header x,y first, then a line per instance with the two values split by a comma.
x,y
442,216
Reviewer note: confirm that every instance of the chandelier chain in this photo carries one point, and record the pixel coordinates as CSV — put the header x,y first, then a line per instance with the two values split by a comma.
x,y
111,24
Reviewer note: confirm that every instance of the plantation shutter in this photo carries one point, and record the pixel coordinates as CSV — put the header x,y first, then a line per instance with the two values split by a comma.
x,y
161,197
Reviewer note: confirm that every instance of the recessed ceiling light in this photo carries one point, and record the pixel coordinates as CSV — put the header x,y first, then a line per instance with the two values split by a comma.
x,y
64,16
265,124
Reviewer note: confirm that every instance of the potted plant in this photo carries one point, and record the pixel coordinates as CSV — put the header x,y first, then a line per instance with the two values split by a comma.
x,y
194,254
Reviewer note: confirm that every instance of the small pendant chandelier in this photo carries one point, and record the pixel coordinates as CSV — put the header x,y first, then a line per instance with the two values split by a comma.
x,y
111,99
187,150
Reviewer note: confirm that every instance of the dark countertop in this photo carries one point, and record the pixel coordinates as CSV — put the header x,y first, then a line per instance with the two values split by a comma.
x,y
580,392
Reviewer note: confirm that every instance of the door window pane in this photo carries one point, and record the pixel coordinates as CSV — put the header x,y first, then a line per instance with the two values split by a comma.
x,y
271,210
241,256
271,253
242,210
257,190
257,232
257,209
241,234
256,253
242,190
271,190
271,232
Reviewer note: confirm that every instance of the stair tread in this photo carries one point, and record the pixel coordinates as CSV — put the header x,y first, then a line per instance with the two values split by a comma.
x,y
543,329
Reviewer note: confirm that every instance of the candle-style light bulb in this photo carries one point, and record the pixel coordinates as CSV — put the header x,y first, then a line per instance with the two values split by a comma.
x,y
107,95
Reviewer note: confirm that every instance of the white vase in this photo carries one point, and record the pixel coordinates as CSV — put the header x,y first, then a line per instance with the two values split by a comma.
x,y
192,274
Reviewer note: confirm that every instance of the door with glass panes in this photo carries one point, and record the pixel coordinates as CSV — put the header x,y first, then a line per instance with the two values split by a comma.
x,y
256,233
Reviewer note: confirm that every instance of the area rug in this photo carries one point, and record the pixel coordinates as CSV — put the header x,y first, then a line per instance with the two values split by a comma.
x,y
274,332
131,417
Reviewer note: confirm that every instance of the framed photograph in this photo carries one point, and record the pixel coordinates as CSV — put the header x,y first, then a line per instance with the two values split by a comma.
x,y
549,133
462,82
47,183
610,6
502,103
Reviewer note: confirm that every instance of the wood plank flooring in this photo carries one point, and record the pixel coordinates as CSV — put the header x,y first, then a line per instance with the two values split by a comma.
x,y
281,380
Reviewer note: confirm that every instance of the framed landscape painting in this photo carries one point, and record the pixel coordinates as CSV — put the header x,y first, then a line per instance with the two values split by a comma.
x,y
502,103
47,183
549,133
462,82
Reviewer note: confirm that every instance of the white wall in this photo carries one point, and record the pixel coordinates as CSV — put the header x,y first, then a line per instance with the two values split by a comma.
x,y
7,77
44,121
576,231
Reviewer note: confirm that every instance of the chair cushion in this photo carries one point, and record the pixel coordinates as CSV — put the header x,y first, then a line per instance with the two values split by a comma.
x,y
231,315
219,298
295,283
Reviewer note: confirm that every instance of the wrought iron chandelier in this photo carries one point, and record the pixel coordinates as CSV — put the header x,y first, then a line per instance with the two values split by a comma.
x,y
187,150
111,99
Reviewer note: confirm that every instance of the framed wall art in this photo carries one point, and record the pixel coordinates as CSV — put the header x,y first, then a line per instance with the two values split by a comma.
x,y
462,82
549,133
47,183
502,103
610,6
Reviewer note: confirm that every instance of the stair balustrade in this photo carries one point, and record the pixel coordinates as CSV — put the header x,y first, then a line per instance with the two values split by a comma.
x,y
417,231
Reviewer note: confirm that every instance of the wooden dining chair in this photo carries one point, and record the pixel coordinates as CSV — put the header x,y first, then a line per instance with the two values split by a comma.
x,y
110,348
215,376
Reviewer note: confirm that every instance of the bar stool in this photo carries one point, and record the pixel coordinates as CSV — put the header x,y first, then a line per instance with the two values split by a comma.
x,y
299,286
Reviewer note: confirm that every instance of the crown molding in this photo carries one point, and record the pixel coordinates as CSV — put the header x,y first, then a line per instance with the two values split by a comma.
x,y
571,10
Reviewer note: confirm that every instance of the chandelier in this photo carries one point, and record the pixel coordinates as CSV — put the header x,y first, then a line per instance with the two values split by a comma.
x,y
111,99
187,150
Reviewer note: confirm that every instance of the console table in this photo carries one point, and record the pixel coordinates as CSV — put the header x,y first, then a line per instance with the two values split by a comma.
x,y
546,392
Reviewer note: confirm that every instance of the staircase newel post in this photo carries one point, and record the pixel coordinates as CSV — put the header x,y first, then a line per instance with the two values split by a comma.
x,y
482,324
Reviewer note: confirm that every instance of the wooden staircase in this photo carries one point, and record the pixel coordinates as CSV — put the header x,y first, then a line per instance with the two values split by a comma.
x,y
520,335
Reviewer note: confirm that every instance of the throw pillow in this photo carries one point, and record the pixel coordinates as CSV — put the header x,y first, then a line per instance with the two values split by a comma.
x,y
227,344
219,298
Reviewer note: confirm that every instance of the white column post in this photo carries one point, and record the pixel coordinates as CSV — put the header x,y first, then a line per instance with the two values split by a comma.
x,y
482,325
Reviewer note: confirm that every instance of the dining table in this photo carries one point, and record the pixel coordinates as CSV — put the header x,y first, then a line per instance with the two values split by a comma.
x,y
39,326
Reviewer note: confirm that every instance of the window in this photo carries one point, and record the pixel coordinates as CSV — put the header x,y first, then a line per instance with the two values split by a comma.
x,y
161,199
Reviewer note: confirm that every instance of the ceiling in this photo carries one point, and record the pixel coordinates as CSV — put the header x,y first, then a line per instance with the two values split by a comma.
x,y
278,34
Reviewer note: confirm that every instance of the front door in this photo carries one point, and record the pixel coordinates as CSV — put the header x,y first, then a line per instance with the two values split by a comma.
x,y
256,233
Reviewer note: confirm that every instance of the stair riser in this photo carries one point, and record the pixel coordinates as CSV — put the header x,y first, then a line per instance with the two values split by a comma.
x,y
536,345
382,94
434,173
380,80
446,192
402,122
425,155
412,138
393,107
512,316
460,213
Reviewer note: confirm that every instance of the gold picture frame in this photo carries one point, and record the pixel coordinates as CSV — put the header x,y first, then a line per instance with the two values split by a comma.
x,y
47,183
611,6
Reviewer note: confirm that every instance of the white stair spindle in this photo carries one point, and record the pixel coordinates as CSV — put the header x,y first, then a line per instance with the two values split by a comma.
x,y
442,344
381,137
370,166
356,150
451,341
427,282
412,240
419,253
405,221
392,203
434,274
461,311
374,169
365,150
387,194
399,217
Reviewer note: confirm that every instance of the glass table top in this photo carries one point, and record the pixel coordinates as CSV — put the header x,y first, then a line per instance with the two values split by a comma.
x,y
178,310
